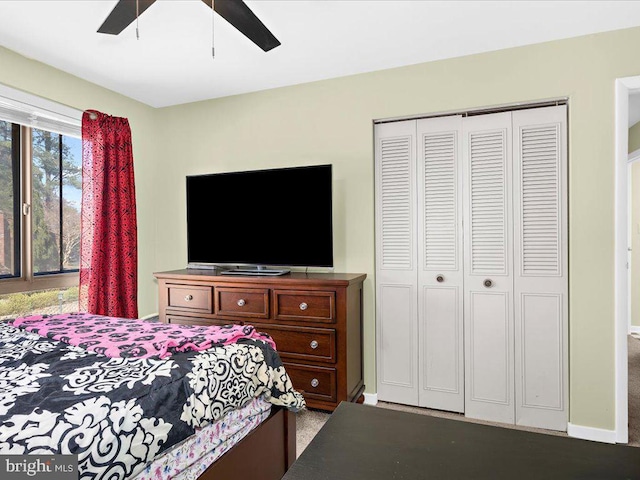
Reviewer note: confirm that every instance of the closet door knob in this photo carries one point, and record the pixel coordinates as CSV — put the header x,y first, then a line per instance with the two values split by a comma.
x,y
488,283
314,344
303,306
315,382
241,302
440,278
188,298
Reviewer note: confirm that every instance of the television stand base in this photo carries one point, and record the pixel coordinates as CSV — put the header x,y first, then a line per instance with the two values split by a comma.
x,y
255,271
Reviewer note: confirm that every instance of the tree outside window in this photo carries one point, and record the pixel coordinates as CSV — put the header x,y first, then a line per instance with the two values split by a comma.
x,y
39,238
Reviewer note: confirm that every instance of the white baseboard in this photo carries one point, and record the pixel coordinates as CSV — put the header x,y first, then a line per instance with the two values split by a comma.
x,y
151,315
591,433
370,398
634,329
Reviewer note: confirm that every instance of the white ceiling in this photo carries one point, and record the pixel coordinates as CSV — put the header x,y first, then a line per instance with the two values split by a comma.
x,y
171,63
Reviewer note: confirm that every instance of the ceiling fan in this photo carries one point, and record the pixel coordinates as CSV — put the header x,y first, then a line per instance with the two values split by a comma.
x,y
236,12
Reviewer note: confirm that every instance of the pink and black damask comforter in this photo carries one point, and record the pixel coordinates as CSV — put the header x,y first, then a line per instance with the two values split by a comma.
x,y
122,337
117,412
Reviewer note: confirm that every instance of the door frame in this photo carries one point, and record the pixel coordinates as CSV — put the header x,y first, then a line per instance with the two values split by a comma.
x,y
622,88
634,157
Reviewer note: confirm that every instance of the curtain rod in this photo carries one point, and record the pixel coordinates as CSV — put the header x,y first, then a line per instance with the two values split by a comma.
x,y
92,115
482,110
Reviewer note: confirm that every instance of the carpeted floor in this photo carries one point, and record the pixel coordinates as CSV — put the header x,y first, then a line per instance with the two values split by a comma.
x,y
310,421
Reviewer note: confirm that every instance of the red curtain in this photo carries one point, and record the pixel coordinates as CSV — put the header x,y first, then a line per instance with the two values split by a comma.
x,y
108,249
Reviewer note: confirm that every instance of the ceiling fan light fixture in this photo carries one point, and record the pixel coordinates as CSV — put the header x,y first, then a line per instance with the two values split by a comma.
x,y
236,12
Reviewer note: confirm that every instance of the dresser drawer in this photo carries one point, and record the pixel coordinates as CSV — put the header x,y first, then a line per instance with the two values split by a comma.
x,y
313,382
190,297
242,302
205,322
314,306
302,343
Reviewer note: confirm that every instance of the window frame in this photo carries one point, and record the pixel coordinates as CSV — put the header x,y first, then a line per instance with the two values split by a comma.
x,y
28,280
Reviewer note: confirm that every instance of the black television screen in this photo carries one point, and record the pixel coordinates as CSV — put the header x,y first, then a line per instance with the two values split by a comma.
x,y
279,217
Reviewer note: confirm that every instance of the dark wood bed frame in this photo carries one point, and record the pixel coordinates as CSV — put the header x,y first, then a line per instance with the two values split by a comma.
x,y
264,454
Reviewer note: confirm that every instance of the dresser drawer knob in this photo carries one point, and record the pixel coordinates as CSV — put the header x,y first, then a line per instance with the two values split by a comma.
x,y
314,344
315,382
303,306
241,302
188,298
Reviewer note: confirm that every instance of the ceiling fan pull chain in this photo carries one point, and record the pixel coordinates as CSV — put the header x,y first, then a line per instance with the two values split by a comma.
x,y
213,50
137,18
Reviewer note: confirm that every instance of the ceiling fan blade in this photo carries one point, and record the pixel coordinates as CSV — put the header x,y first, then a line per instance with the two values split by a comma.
x,y
238,14
122,15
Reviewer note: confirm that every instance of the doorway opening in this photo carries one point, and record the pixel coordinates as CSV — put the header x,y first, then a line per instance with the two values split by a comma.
x,y
624,88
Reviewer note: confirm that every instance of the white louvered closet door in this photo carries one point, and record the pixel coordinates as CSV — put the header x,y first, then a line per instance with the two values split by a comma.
x,y
471,265
488,301
396,262
540,270
440,264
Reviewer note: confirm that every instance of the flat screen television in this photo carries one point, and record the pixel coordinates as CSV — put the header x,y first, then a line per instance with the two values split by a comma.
x,y
253,220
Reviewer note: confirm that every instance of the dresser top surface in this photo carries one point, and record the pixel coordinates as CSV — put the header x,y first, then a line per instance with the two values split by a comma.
x,y
293,277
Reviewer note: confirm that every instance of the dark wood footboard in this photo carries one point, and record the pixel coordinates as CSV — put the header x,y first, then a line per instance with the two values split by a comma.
x,y
265,454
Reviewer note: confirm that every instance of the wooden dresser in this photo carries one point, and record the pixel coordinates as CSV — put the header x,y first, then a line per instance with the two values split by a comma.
x,y
314,318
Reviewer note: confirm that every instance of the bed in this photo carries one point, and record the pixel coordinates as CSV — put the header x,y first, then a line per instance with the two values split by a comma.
x,y
133,399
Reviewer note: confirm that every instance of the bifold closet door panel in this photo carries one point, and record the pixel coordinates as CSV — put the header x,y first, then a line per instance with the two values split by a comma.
x,y
396,262
540,250
440,263
488,279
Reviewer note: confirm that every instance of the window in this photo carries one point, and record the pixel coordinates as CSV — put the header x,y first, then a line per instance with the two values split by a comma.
x,y
40,193
9,196
55,202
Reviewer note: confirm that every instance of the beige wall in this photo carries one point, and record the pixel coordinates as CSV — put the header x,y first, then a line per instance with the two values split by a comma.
x,y
331,122
19,72
634,138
